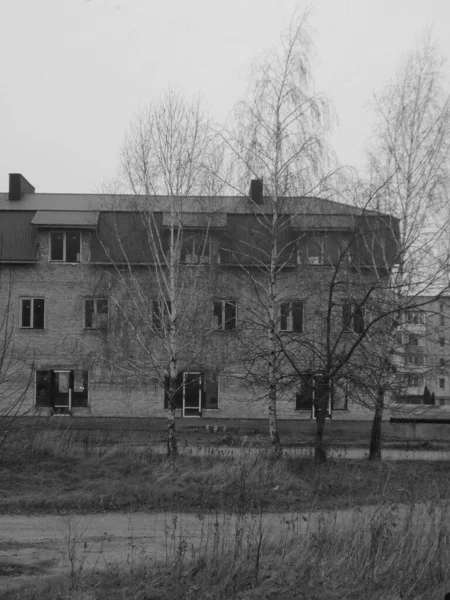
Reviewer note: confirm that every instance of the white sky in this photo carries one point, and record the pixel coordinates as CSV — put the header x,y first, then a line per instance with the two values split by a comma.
x,y
74,71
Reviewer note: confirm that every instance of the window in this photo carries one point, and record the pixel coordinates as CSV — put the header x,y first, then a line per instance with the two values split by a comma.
x,y
442,342
442,383
415,340
415,381
32,314
292,316
442,320
415,359
62,388
316,250
161,309
442,362
65,246
225,314
209,390
96,313
304,398
353,317
195,248
414,317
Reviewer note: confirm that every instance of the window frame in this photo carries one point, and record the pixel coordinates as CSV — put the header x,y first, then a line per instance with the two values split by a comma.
x,y
201,258
222,327
290,316
349,309
64,232
95,313
442,383
32,301
50,390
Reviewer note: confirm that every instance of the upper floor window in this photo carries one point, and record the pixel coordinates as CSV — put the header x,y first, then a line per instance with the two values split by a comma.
x,y
195,248
353,317
225,314
415,340
442,383
96,313
415,359
32,314
65,246
414,317
415,381
442,342
292,316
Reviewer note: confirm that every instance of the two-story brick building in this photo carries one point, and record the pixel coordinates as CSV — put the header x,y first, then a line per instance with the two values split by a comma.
x,y
79,281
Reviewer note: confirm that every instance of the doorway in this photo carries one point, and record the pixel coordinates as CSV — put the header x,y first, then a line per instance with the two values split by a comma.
x,y
192,394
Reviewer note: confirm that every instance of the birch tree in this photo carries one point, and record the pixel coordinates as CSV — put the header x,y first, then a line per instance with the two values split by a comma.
x,y
166,160
279,138
409,167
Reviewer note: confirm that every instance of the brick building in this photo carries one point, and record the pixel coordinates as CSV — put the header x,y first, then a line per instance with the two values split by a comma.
x,y
80,278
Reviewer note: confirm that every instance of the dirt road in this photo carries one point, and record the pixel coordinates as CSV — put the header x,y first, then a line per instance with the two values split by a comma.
x,y
33,546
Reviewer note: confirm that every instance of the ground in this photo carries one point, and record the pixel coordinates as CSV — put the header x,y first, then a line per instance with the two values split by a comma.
x,y
70,501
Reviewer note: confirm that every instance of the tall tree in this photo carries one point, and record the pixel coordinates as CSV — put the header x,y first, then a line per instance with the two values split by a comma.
x,y
279,138
409,168
166,162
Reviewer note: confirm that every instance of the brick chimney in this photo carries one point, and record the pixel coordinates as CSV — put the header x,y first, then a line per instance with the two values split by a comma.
x,y
256,191
18,186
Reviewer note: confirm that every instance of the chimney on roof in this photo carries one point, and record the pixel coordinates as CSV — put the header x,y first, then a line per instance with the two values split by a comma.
x,y
256,191
18,186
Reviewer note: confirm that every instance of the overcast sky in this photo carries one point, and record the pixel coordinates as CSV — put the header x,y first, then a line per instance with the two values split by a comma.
x,y
73,72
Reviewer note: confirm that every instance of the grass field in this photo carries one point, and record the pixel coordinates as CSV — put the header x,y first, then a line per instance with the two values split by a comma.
x,y
383,559
55,474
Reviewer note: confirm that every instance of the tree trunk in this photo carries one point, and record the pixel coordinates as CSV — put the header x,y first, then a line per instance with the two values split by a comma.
x,y
320,454
375,438
172,448
321,404
273,426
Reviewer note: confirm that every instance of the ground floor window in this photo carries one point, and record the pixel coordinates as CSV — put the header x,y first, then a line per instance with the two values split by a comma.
x,y
312,387
62,388
194,391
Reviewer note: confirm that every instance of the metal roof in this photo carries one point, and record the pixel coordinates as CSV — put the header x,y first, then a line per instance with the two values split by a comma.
x,y
190,204
18,238
61,218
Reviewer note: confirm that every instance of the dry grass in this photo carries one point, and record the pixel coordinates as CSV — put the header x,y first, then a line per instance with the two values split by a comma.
x,y
390,556
53,473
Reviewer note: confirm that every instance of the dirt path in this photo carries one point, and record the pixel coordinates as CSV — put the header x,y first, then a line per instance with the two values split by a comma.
x,y
47,545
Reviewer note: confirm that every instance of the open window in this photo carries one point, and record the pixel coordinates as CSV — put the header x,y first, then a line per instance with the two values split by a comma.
x,y
32,313
65,246
195,248
96,313
62,389
291,318
225,314
354,317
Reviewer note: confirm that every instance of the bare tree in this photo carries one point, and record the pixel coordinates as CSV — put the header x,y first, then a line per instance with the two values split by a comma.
x,y
409,168
15,379
167,163
279,138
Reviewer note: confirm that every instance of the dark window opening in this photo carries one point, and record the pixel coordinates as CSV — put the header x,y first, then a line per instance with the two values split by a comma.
x,y
62,389
291,318
57,246
33,313
353,318
65,246
305,397
225,314
177,393
195,248
96,313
